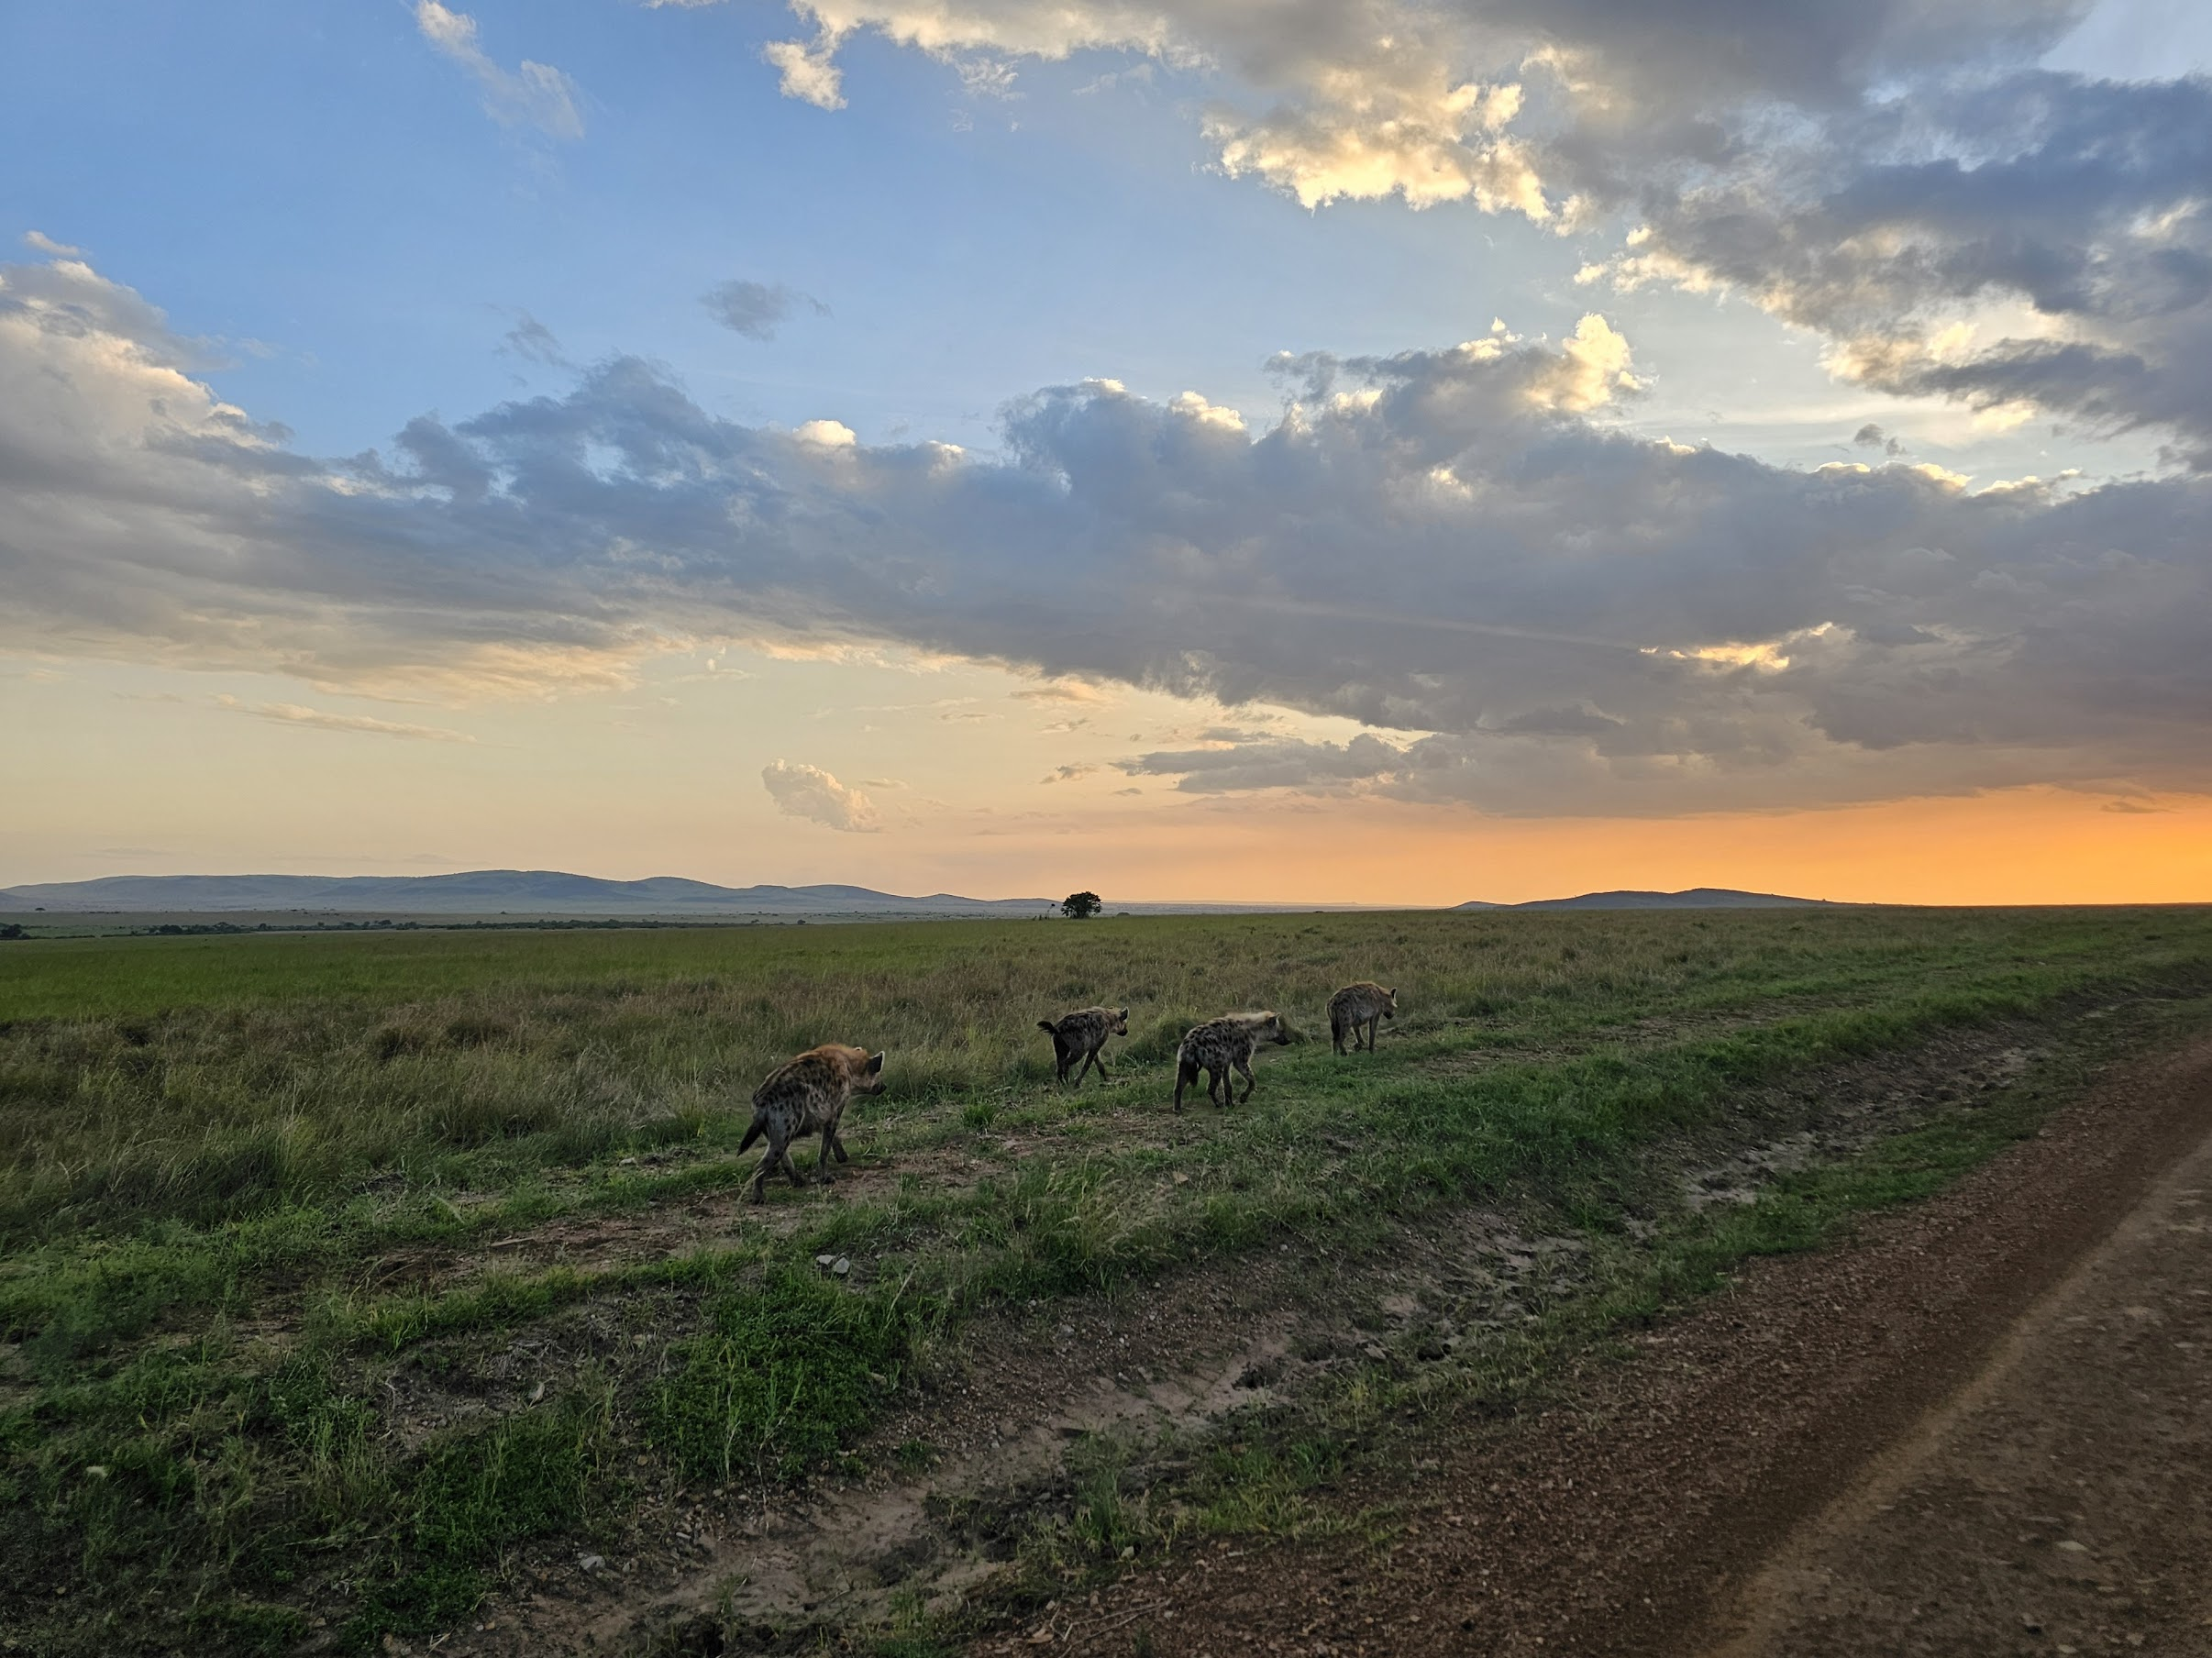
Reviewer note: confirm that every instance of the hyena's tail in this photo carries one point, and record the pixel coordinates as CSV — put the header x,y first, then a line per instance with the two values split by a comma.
x,y
1047,1026
752,1133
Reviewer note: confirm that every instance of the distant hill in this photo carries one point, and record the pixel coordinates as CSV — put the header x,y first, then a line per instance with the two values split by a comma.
x,y
1694,898
555,892
486,891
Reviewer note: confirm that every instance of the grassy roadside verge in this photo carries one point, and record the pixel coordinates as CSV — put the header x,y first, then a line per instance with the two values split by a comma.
x,y
254,1472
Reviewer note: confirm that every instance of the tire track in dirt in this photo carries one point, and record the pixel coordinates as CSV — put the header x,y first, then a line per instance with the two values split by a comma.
x,y
1624,1520
2057,1503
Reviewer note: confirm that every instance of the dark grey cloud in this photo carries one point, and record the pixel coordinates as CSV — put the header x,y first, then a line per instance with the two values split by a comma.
x,y
1531,612
757,309
2037,239
1269,762
532,339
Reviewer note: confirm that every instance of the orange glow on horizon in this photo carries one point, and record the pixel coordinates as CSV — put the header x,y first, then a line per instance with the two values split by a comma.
x,y
2021,847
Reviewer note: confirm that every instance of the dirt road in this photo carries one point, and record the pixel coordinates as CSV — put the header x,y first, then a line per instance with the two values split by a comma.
x,y
1980,1428
2058,1504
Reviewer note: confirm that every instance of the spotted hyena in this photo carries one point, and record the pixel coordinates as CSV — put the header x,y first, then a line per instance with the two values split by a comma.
x,y
1359,1007
1221,1045
808,1096
1078,1037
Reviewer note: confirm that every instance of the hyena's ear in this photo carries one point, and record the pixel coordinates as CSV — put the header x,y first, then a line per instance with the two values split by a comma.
x,y
1125,1015
875,1064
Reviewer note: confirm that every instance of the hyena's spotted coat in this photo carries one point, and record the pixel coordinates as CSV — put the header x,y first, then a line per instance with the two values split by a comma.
x,y
808,1096
1078,1037
1221,1045
1358,1007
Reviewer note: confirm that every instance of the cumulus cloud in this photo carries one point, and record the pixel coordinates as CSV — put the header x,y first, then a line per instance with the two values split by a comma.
x,y
1529,608
1369,98
533,94
810,792
757,309
1896,174
808,73
1516,105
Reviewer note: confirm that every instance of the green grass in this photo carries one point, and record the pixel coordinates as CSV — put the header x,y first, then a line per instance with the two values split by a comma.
x,y
208,1079
235,1172
784,1373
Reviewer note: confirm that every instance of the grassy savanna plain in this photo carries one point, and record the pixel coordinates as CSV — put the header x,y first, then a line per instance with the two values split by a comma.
x,y
268,1204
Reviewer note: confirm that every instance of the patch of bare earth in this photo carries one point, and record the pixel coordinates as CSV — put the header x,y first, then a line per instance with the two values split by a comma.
x,y
1629,1518
742,1569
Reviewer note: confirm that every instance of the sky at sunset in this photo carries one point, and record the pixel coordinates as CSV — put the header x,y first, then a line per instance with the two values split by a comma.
x,y
1387,451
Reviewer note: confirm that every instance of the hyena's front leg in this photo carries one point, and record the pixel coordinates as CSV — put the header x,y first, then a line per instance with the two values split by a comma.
x,y
1372,1024
1251,1082
837,1144
822,1163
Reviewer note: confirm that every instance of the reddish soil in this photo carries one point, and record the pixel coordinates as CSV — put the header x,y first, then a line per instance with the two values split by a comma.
x,y
1979,1427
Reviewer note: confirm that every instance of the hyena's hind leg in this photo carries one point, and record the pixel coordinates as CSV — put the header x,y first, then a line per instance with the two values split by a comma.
x,y
822,1163
1336,1032
778,1153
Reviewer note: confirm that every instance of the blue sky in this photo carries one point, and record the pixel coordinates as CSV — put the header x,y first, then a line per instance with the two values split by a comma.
x,y
320,187
357,218
320,181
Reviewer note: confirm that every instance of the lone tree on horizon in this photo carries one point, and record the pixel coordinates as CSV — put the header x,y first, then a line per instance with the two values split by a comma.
x,y
1080,906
